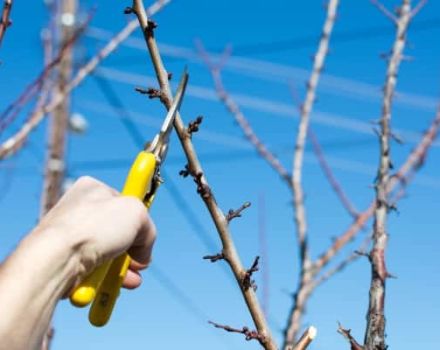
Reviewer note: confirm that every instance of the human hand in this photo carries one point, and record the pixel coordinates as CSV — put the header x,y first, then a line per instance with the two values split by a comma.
x,y
101,224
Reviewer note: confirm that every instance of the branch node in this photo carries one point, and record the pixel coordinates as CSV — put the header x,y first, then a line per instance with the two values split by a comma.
x,y
129,10
194,125
185,172
214,258
202,188
247,281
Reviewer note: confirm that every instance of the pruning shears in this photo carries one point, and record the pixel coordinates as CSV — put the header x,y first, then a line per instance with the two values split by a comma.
x,y
102,286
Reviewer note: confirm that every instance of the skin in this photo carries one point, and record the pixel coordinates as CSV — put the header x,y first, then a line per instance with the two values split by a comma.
x,y
89,225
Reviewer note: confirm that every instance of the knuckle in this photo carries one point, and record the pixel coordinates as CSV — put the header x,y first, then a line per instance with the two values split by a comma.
x,y
86,181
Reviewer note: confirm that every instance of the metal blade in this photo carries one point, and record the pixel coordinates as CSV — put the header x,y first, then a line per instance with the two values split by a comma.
x,y
169,119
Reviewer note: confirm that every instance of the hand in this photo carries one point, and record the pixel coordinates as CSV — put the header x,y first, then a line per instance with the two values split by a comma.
x,y
102,225
90,224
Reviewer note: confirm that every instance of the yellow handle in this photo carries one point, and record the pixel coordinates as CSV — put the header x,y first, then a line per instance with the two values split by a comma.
x,y
107,279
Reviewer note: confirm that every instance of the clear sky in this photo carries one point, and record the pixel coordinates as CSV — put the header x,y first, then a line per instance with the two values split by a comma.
x,y
272,46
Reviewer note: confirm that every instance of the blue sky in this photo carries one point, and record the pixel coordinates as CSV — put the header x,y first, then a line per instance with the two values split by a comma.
x,y
272,45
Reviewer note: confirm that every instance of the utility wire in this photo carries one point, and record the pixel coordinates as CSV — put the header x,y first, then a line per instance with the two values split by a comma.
x,y
337,37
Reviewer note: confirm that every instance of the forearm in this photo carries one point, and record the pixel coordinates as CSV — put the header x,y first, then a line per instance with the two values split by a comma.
x,y
32,280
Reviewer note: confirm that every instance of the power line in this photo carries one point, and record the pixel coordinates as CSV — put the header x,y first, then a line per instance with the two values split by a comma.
x,y
280,73
263,105
337,37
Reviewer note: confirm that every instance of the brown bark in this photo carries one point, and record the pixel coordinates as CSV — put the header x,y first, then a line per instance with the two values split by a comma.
x,y
375,331
195,169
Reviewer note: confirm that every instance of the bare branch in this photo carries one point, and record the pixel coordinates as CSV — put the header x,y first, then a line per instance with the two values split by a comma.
x,y
249,335
8,147
294,319
247,281
384,10
306,339
412,163
232,214
194,125
12,111
348,205
214,258
362,250
5,22
239,117
195,168
347,335
375,331
416,9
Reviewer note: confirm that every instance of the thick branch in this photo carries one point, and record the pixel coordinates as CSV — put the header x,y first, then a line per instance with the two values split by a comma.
x,y
306,339
195,168
375,332
303,292
57,134
8,147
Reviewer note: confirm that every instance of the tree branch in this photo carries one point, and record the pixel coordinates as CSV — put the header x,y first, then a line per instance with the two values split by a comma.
x,y
375,331
412,163
347,335
234,110
347,204
196,170
344,263
5,22
8,147
13,110
387,13
306,339
303,291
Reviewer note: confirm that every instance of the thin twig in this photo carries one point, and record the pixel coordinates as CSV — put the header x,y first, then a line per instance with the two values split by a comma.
x,y
375,330
344,263
219,219
416,9
347,335
348,205
20,137
8,147
302,293
234,109
5,22
387,13
249,335
236,213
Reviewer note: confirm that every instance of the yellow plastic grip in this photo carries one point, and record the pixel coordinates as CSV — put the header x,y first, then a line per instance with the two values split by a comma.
x,y
103,284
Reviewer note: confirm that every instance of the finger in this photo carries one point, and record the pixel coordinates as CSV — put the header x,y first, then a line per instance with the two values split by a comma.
x,y
137,266
132,280
142,246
